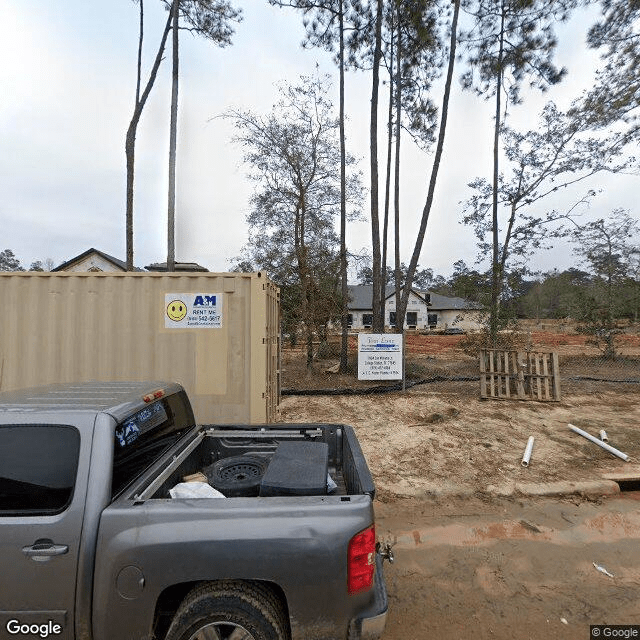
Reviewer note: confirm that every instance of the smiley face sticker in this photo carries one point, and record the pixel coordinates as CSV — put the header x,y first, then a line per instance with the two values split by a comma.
x,y
176,310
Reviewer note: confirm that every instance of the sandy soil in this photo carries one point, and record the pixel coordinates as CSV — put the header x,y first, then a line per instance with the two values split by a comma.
x,y
428,442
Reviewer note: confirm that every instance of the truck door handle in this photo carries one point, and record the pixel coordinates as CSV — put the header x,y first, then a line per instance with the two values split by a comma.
x,y
44,549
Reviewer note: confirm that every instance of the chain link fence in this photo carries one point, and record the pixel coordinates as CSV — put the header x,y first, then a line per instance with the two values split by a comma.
x,y
450,363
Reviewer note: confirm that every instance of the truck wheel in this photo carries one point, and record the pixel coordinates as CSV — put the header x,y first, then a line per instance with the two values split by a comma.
x,y
229,611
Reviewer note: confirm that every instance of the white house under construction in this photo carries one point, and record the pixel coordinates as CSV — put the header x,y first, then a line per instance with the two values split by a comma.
x,y
425,310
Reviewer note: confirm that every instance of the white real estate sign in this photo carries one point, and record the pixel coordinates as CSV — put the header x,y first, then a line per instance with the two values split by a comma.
x,y
379,356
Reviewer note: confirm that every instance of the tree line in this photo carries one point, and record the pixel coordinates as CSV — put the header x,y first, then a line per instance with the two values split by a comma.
x,y
10,262
598,294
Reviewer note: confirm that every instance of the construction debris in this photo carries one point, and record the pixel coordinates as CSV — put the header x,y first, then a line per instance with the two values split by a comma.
x,y
527,452
601,569
595,440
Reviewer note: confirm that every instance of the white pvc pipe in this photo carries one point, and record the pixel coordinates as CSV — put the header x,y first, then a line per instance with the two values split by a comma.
x,y
595,440
603,436
527,452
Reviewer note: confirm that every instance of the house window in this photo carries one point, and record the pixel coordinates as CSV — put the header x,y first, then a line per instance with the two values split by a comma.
x,y
367,320
392,318
432,319
349,320
412,319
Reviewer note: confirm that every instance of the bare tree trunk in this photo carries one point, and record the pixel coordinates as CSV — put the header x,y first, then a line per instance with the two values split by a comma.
x,y
140,39
173,136
303,275
130,141
378,276
496,275
396,192
130,154
130,146
400,313
344,343
309,343
387,192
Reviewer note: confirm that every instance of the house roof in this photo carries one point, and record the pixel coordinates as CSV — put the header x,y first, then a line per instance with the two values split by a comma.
x,y
445,302
179,266
120,264
361,295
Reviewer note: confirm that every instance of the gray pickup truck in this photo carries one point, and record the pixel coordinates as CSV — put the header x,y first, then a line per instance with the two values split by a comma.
x,y
104,534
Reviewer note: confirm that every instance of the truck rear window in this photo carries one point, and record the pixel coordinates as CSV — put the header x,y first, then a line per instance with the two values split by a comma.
x,y
38,465
143,437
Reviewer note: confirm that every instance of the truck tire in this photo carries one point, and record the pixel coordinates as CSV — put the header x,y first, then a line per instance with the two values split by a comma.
x,y
229,610
238,476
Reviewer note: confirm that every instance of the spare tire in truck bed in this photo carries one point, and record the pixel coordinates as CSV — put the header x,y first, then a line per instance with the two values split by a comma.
x,y
238,476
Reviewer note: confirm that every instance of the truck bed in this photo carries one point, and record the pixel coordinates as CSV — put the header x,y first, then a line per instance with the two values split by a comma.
x,y
211,444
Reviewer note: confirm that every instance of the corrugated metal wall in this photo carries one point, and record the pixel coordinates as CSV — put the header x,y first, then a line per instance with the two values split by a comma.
x,y
68,327
272,341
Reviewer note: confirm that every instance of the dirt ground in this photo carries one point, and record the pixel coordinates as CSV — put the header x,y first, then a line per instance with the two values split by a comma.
x,y
431,440
440,437
426,441
526,569
476,556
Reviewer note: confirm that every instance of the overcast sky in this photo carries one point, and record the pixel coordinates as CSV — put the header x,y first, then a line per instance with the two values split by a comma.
x,y
68,82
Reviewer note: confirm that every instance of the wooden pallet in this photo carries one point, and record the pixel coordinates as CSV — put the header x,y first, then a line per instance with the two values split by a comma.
x,y
519,375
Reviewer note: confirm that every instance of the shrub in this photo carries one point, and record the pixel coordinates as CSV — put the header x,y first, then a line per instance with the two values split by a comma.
x,y
507,340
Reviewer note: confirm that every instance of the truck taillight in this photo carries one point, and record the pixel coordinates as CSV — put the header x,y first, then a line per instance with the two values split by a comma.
x,y
361,560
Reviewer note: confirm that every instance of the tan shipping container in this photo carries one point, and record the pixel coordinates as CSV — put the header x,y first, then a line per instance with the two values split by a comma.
x,y
216,334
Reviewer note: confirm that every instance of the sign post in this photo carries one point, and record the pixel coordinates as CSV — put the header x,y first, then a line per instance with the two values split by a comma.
x,y
380,356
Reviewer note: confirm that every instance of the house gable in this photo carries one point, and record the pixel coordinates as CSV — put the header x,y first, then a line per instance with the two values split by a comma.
x,y
93,260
